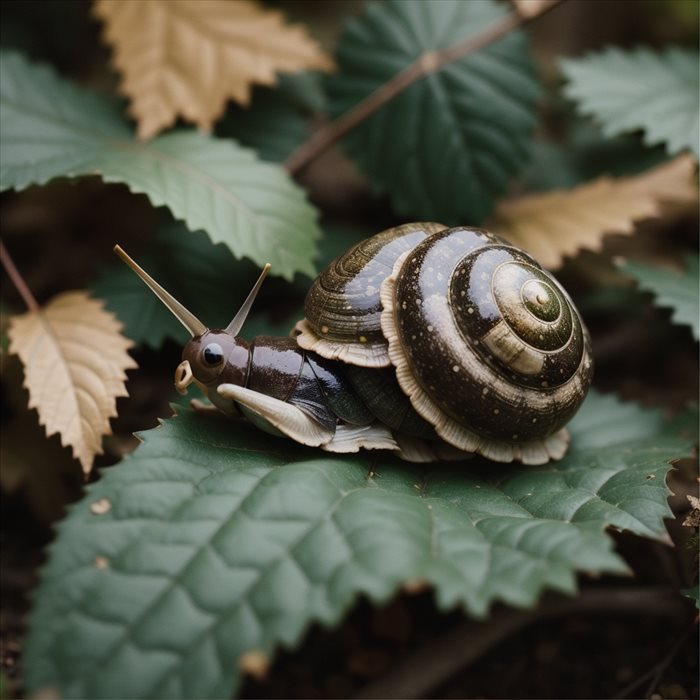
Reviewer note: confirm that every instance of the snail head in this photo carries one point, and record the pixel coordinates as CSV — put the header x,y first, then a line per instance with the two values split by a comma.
x,y
212,356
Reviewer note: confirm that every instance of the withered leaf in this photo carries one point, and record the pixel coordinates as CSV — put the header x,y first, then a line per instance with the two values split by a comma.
x,y
692,518
74,359
530,8
187,57
556,224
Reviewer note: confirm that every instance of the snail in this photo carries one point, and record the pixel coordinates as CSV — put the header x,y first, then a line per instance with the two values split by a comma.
x,y
432,342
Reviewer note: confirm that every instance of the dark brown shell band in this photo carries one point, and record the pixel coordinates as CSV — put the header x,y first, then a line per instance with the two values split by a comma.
x,y
457,359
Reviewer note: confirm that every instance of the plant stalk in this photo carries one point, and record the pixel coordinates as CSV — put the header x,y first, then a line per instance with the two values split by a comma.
x,y
17,279
426,64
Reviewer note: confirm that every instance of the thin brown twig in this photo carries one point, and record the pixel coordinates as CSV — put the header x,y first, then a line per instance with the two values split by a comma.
x,y
17,279
427,63
430,666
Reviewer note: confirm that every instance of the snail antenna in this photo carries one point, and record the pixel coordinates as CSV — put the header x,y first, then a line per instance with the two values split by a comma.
x,y
234,328
186,318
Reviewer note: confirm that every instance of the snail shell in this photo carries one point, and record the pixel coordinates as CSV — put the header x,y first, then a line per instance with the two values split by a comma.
x,y
488,346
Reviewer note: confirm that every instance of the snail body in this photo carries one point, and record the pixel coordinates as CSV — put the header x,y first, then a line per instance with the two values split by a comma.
x,y
432,342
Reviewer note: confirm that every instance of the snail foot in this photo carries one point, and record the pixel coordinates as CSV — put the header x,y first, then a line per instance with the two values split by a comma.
x,y
413,449
350,438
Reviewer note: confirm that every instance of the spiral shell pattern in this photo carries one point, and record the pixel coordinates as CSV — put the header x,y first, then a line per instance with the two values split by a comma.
x,y
488,345
342,308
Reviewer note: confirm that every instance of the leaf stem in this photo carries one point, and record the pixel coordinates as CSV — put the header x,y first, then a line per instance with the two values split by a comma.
x,y
17,279
427,63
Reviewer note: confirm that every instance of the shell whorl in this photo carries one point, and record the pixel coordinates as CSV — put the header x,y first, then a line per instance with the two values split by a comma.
x,y
342,307
487,345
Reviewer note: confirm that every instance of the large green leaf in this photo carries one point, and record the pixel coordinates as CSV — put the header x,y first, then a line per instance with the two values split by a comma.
x,y
694,594
584,153
680,292
445,148
641,89
213,540
272,126
51,128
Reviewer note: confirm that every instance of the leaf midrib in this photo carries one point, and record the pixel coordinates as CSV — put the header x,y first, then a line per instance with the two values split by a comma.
x,y
183,166
102,139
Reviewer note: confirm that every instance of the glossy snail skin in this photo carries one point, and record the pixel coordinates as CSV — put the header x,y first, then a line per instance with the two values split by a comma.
x,y
275,367
432,342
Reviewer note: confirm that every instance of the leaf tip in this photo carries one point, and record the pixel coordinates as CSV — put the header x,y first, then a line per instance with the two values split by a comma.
x,y
416,586
255,663
48,692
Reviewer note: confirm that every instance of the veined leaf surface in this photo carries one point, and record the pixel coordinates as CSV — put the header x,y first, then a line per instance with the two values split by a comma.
x,y
75,360
445,148
635,89
552,225
674,290
51,128
187,57
213,540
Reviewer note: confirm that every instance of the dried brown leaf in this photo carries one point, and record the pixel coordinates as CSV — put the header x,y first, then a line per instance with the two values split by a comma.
x,y
556,224
255,663
74,359
530,8
187,57
692,518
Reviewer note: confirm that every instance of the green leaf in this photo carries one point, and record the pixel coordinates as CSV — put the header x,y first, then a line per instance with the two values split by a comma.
x,y
274,125
693,593
213,540
50,128
585,154
673,290
445,148
305,90
640,89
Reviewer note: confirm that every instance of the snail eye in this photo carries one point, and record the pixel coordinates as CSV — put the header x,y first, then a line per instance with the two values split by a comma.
x,y
213,354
